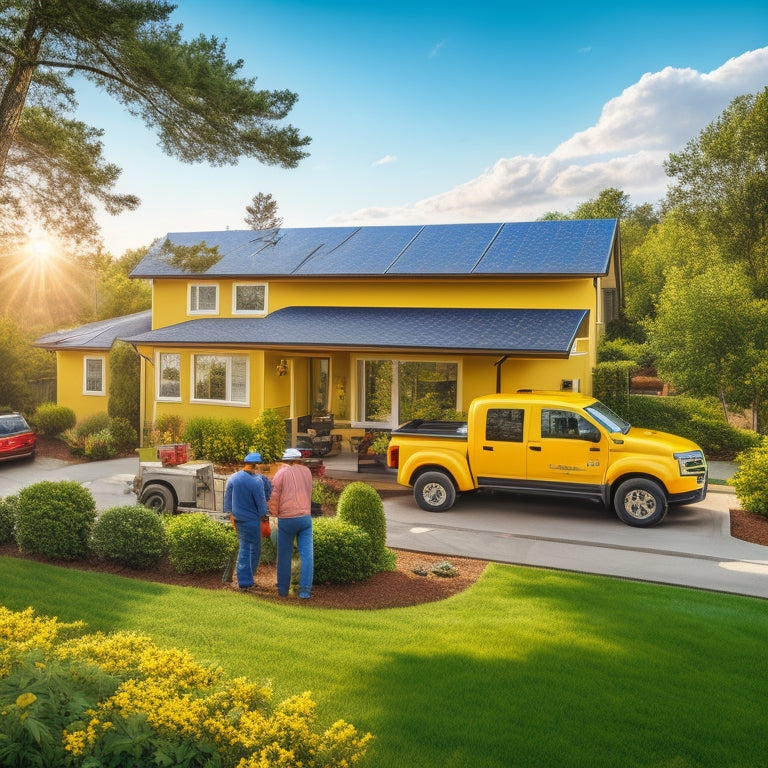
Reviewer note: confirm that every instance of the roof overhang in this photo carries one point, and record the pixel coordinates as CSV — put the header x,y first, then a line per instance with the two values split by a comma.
x,y
512,332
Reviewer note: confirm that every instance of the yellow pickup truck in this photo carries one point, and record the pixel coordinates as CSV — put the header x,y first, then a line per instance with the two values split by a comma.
x,y
552,443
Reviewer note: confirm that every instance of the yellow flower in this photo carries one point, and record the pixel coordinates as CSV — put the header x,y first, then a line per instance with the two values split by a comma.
x,y
25,699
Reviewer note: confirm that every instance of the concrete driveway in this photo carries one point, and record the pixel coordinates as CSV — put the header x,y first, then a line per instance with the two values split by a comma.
x,y
692,547
106,480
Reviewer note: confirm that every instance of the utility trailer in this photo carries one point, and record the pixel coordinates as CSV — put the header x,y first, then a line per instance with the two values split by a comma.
x,y
179,487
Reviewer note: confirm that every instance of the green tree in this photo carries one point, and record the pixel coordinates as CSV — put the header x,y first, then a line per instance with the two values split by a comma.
x,y
124,383
722,184
21,365
673,242
702,345
51,166
262,213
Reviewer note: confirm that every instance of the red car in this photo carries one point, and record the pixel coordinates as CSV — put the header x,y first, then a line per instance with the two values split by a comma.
x,y
17,440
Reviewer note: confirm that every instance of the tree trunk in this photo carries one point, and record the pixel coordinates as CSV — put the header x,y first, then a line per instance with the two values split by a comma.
x,y
15,94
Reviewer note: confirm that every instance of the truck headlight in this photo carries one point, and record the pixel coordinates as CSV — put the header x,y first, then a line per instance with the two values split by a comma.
x,y
691,463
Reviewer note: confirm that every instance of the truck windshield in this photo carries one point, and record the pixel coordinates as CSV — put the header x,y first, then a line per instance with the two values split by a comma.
x,y
608,418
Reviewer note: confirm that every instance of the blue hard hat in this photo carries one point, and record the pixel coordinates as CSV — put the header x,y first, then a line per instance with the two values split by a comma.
x,y
252,458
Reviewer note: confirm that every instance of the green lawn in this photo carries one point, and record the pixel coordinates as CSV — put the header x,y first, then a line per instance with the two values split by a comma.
x,y
527,668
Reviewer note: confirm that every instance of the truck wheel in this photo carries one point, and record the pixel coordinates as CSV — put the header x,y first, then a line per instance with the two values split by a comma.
x,y
640,502
159,498
434,492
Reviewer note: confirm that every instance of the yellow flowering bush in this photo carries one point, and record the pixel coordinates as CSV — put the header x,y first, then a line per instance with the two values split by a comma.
x,y
121,699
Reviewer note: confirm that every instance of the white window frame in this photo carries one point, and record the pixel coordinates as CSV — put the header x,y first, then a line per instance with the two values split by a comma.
x,y
103,375
358,406
193,299
262,311
228,361
159,378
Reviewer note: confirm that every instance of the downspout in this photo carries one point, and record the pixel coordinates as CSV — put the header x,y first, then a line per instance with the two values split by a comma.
x,y
142,392
498,365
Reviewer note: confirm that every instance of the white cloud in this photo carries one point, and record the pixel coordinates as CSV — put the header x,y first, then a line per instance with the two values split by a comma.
x,y
436,49
386,160
626,149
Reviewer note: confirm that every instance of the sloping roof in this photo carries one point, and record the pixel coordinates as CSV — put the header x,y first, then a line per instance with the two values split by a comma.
x,y
100,335
573,247
515,332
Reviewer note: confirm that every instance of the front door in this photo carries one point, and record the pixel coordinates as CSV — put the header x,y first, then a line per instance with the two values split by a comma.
x,y
569,449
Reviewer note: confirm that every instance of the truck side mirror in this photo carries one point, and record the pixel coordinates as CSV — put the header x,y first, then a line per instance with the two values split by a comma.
x,y
592,435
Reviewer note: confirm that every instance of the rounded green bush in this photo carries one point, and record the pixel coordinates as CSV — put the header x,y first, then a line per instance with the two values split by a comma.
x,y
55,519
132,535
198,544
52,419
751,479
8,507
361,505
342,552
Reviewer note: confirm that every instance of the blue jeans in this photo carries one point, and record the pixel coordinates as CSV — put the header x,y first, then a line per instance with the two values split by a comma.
x,y
249,536
300,530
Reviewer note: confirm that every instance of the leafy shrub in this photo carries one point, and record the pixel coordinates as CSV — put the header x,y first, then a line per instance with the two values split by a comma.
x,y
97,422
132,535
269,435
167,429
124,436
751,479
55,519
99,446
223,441
121,700
268,551
326,491
51,419
8,507
198,544
361,505
342,552
698,420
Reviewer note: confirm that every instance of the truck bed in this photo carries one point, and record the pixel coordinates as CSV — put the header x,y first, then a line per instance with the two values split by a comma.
x,y
456,430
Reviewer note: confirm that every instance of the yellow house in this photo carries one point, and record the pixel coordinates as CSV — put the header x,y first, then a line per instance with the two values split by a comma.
x,y
369,326
82,360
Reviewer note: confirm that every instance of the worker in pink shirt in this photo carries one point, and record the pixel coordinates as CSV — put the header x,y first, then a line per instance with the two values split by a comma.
x,y
291,504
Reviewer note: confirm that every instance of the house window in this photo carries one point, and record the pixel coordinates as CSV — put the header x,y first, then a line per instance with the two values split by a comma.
x,y
249,299
203,299
221,378
391,392
169,377
93,376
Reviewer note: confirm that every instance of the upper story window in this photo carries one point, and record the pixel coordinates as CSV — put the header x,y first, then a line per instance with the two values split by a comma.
x,y
93,376
169,376
203,299
249,299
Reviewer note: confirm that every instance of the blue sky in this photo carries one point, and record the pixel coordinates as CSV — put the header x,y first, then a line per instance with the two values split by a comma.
x,y
426,112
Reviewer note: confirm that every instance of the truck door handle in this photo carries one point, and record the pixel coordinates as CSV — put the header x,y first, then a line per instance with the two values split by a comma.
x,y
595,450
487,447
535,447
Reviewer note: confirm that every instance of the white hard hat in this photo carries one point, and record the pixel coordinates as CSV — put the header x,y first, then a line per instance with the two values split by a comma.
x,y
291,453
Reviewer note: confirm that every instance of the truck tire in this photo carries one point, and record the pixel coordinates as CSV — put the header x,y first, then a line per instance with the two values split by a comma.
x,y
434,491
640,502
158,497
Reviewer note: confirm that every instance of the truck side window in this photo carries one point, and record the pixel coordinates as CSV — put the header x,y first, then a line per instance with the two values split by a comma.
x,y
504,424
565,424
